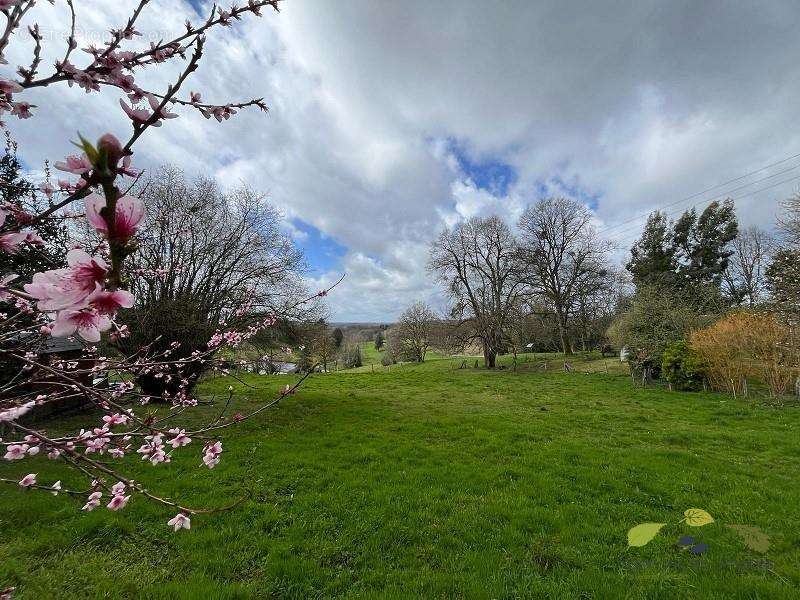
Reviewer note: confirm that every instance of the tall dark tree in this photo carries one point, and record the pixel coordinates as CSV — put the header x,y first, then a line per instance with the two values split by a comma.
x,y
338,337
690,255
653,260
703,244
22,198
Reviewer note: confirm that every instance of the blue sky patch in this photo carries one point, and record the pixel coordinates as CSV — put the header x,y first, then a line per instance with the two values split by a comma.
x,y
556,186
490,174
198,5
322,252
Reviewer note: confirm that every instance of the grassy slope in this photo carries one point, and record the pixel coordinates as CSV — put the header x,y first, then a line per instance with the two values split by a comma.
x,y
427,481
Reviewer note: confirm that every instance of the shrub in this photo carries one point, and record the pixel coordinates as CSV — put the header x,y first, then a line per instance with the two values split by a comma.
x,y
748,345
682,367
387,360
657,318
351,356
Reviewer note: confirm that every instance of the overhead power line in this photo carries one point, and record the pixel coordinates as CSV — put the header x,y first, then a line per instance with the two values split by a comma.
x,y
711,189
734,198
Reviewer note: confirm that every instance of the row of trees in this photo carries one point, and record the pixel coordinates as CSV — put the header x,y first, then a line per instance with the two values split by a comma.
x,y
556,271
551,284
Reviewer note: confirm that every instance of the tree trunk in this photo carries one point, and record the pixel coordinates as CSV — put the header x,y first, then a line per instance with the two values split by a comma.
x,y
565,345
489,357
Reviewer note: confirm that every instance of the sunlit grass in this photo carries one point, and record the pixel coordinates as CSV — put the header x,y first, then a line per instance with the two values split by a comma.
x,y
435,481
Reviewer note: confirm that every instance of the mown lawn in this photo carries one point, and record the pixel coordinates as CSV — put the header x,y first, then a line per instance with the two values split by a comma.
x,y
440,482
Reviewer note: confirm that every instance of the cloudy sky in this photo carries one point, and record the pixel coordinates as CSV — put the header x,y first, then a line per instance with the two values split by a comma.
x,y
390,120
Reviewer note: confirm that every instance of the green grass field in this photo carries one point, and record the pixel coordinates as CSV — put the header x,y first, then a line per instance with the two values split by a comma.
x,y
438,482
371,359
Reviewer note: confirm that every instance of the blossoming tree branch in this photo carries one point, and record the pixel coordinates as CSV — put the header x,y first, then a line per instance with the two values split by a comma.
x,y
83,298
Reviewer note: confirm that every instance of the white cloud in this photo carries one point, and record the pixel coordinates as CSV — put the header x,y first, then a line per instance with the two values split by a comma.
x,y
640,105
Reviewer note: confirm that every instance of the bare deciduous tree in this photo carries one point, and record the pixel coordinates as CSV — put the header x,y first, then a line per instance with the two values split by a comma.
x,y
561,253
413,332
320,345
206,258
745,279
597,300
477,261
789,223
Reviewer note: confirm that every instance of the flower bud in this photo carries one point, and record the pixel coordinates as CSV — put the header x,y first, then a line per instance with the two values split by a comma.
x,y
111,145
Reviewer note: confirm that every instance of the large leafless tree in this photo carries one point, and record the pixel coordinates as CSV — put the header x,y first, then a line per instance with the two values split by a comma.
x,y
411,337
745,279
561,255
207,257
789,222
477,261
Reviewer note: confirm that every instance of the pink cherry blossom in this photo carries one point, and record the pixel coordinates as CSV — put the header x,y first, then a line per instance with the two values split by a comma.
x,y
93,501
162,112
68,288
129,213
9,242
66,66
33,238
87,323
85,81
97,443
137,115
211,454
118,502
153,450
77,165
180,521
22,109
47,189
9,87
108,303
118,489
16,451
28,480
180,439
123,81
127,169
115,419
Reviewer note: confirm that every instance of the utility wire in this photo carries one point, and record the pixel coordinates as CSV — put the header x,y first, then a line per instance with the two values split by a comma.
x,y
711,189
747,195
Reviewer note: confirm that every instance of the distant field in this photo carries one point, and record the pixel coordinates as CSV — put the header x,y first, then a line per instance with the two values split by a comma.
x,y
590,362
437,482
372,358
